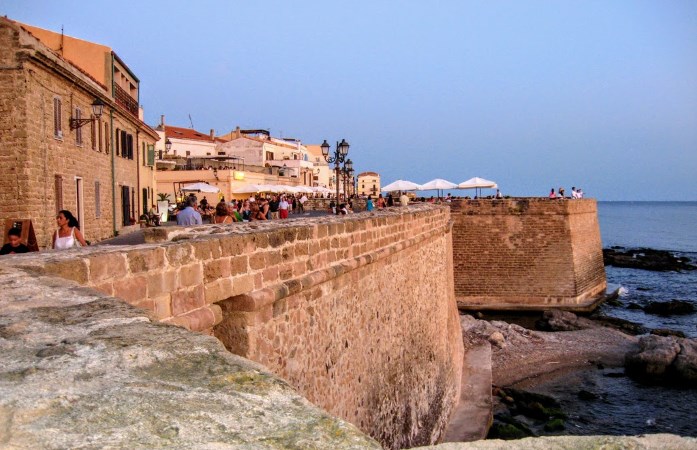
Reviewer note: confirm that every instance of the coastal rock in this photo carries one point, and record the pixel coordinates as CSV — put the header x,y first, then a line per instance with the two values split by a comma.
x,y
625,326
663,359
673,307
667,332
644,442
556,320
646,259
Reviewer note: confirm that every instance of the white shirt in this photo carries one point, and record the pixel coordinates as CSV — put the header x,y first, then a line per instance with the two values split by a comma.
x,y
283,205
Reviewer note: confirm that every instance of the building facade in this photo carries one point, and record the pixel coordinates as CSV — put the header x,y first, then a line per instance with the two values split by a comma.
x,y
369,184
56,154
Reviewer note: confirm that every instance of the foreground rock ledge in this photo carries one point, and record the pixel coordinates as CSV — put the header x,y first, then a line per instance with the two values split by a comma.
x,y
81,369
647,442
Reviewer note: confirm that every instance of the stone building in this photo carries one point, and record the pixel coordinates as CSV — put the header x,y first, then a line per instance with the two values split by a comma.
x,y
56,154
259,148
368,183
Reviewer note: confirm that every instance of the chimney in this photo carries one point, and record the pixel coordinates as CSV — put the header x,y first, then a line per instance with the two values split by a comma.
x,y
238,133
162,121
212,134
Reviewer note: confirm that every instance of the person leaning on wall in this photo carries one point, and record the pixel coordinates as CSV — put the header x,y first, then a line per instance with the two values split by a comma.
x,y
68,233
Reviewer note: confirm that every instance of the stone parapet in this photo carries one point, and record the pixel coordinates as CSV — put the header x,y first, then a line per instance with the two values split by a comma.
x,y
79,369
357,312
527,253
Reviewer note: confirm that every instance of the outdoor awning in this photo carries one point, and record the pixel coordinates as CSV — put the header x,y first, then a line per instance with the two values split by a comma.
x,y
199,187
401,185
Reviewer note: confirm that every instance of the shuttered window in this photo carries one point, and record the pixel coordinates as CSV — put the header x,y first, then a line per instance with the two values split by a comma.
x,y
151,155
59,192
107,138
57,117
97,200
93,133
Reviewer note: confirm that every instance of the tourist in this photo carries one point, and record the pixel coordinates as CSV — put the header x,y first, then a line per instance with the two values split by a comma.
x,y
369,203
189,215
499,194
246,212
403,199
283,207
264,207
204,203
332,207
561,192
390,200
222,215
273,207
448,198
342,209
381,202
301,203
14,236
256,212
68,233
579,193
552,194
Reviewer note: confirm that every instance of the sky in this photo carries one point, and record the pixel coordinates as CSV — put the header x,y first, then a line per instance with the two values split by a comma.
x,y
534,95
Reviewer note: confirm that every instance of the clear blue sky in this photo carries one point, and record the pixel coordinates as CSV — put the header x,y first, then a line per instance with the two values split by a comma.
x,y
531,94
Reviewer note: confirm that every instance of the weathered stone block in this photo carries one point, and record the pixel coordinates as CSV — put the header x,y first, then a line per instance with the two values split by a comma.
x,y
185,300
190,275
215,269
107,266
144,259
72,269
131,289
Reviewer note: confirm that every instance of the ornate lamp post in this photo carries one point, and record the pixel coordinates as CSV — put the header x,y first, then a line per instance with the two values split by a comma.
x,y
347,172
338,157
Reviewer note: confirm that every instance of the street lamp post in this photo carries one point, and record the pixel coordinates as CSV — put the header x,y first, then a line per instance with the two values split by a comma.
x,y
347,173
338,157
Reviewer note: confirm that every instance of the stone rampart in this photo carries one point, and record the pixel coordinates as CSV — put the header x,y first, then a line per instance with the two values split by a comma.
x,y
527,253
356,312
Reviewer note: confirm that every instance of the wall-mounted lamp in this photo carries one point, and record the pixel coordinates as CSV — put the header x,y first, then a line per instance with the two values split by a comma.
x,y
168,145
97,110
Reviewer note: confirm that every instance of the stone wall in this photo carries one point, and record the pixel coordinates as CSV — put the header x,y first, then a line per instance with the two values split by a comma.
x,y
32,156
527,253
357,312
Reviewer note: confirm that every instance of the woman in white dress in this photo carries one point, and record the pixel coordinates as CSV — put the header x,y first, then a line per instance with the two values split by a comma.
x,y
68,233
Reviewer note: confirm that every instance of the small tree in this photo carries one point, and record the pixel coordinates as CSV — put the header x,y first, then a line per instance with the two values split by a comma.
x,y
163,197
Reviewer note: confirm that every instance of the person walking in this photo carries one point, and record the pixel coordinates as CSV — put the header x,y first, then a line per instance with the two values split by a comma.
x,y
283,208
68,233
369,203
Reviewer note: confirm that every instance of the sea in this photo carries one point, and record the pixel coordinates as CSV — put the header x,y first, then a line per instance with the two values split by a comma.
x,y
624,406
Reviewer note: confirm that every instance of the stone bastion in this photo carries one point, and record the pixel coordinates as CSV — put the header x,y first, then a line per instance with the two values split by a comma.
x,y
355,313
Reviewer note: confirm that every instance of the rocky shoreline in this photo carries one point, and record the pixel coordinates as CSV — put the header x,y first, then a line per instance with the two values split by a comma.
x,y
523,358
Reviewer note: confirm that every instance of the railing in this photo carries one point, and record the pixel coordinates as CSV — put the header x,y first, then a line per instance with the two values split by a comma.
x,y
124,99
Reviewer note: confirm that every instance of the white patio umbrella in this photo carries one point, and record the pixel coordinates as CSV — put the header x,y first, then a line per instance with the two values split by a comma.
x,y
200,187
401,185
247,189
477,183
438,184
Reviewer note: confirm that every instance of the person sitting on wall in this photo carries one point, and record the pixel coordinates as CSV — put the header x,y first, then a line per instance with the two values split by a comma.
x,y
552,194
14,245
189,216
499,194
342,209
561,193
332,207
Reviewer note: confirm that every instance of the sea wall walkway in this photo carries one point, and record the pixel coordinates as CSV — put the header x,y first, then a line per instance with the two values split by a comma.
x,y
356,312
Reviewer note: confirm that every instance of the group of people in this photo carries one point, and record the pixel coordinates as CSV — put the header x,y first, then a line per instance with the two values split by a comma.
x,y
251,209
561,193
66,236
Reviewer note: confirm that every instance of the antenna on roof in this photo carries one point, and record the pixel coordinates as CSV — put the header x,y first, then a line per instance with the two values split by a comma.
x,y
191,121
62,36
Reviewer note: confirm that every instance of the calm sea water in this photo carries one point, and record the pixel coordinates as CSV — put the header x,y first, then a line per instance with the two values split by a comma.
x,y
659,225
623,406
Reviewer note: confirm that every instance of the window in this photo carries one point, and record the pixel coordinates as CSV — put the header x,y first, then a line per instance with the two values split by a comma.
x,y
188,153
117,147
144,155
99,135
93,133
78,131
58,191
124,144
129,146
151,155
269,156
107,138
57,118
97,200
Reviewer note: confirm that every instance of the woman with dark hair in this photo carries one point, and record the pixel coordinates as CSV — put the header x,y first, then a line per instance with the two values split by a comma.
x,y
222,215
68,233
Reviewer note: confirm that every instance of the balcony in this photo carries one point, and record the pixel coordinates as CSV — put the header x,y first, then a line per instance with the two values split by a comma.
x,y
124,99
